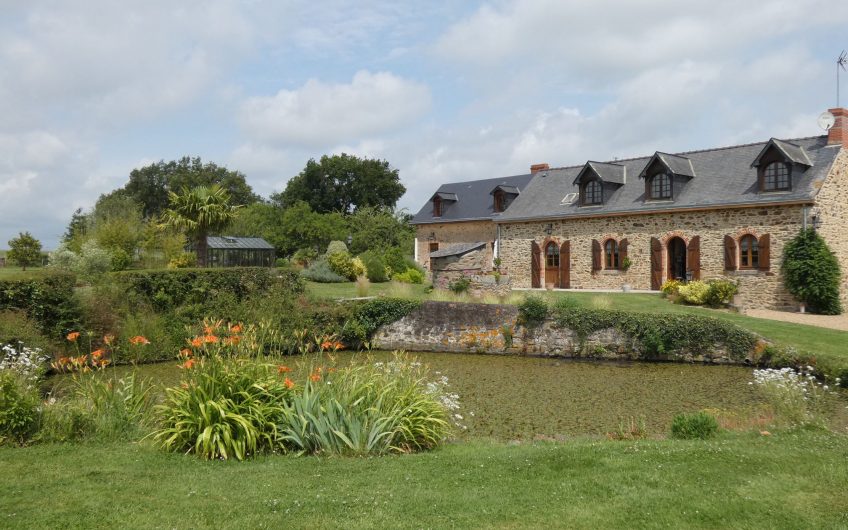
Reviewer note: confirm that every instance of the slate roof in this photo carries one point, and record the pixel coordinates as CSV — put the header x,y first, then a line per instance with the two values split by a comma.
x,y
614,173
473,200
724,177
456,250
242,243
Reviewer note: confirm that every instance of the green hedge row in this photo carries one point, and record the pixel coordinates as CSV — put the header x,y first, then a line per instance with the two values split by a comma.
x,y
662,334
167,289
47,299
368,316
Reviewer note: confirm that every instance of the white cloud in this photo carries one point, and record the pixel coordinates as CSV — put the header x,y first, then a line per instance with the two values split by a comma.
x,y
322,114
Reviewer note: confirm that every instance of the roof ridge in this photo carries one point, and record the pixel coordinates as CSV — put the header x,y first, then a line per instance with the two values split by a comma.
x,y
693,151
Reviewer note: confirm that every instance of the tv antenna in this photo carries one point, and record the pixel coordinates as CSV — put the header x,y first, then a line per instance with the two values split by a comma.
x,y
840,63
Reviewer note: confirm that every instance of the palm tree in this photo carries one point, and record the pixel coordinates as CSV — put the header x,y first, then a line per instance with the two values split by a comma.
x,y
199,211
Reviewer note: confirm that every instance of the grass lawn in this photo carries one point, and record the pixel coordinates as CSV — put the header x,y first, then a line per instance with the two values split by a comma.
x,y
741,480
16,273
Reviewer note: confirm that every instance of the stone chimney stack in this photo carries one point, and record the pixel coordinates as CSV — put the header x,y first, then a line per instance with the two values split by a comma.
x,y
535,168
838,134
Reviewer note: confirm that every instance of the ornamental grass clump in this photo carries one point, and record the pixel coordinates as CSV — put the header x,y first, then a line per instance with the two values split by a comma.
x,y
797,398
700,425
370,409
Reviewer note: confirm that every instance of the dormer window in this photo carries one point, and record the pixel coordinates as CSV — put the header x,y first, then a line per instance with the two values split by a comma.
x,y
777,177
593,193
437,207
661,186
776,164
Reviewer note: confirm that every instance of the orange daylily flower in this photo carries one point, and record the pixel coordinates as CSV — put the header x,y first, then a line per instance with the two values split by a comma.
x,y
289,383
232,340
96,354
138,339
185,352
189,364
315,378
283,369
197,342
210,338
236,329
326,345
338,346
73,336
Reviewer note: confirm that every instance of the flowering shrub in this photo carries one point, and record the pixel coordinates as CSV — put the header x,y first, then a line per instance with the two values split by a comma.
x,y
29,363
796,396
670,287
694,292
720,292
344,265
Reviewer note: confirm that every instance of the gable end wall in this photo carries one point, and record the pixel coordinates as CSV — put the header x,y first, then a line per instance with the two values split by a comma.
x,y
832,202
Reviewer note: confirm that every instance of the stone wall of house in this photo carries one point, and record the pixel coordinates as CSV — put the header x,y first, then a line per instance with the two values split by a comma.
x,y
447,234
757,289
482,328
832,203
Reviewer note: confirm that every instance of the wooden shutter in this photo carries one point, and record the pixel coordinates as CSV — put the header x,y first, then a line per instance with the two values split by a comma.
x,y
596,255
729,253
656,264
622,252
764,247
565,266
693,258
535,265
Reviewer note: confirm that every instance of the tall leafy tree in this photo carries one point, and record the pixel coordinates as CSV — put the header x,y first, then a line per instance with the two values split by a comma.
x,y
199,212
373,229
343,183
150,185
25,250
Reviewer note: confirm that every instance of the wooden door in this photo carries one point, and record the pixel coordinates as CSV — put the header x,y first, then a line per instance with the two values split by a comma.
x,y
535,265
656,264
693,258
552,262
565,265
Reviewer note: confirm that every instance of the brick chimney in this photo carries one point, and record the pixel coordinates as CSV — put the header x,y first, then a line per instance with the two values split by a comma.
x,y
535,168
838,134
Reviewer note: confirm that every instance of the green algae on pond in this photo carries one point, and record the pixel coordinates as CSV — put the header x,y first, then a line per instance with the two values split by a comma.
x,y
514,397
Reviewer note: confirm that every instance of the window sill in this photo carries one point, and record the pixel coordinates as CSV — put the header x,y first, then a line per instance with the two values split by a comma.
x,y
749,272
611,272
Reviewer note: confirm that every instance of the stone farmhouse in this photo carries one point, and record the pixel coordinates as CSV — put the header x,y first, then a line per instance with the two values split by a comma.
x,y
722,212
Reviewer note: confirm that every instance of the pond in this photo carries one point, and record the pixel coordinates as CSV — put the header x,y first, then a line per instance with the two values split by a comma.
x,y
514,397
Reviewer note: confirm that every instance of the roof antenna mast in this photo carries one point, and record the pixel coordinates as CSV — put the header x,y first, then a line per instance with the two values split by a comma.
x,y
840,63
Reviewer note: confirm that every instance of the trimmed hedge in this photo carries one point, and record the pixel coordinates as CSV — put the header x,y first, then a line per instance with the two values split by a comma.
x,y
369,316
662,333
47,299
168,289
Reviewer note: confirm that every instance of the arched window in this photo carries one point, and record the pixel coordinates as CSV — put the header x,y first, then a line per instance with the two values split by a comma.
x,y
749,252
593,192
611,254
661,186
776,177
552,256
437,207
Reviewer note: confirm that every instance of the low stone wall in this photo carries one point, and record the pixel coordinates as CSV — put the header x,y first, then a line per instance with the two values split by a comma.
x,y
489,328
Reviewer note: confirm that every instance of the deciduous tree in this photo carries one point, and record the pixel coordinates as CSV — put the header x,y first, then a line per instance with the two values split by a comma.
x,y
25,250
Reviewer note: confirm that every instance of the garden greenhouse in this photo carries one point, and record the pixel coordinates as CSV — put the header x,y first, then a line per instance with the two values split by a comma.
x,y
239,252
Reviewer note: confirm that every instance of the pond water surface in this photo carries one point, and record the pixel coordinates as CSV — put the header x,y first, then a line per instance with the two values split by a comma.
x,y
514,397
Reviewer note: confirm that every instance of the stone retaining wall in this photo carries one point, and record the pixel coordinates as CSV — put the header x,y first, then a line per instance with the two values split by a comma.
x,y
489,328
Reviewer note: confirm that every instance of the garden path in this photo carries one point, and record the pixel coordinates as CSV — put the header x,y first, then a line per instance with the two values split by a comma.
x,y
839,322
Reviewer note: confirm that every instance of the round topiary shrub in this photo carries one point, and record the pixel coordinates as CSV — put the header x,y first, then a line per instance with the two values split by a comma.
x,y
699,425
811,273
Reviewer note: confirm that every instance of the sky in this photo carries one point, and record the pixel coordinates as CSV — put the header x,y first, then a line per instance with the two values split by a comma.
x,y
445,91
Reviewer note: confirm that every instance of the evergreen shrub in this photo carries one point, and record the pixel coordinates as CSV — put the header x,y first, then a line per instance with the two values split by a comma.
x,y
811,273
